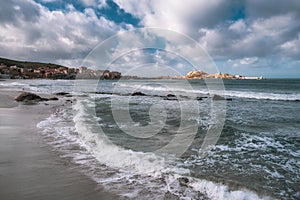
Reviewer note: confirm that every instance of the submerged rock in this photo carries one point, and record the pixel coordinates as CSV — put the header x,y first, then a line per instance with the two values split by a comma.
x,y
27,96
183,181
53,99
171,95
199,98
220,98
62,93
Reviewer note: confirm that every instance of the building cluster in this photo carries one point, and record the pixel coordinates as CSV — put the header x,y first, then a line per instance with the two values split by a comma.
x,y
85,73
200,75
15,72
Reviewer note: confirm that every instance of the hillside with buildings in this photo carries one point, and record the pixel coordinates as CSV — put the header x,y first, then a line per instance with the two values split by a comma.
x,y
11,69
202,75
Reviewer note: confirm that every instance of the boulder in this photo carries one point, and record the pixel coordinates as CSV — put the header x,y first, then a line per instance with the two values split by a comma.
x,y
199,98
62,93
27,96
183,181
138,94
171,95
220,98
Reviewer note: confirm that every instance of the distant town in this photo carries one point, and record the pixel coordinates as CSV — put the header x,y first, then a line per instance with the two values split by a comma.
x,y
10,69
219,75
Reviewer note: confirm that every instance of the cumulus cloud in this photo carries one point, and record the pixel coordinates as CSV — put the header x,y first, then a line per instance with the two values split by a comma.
x,y
51,35
247,61
247,32
262,28
175,15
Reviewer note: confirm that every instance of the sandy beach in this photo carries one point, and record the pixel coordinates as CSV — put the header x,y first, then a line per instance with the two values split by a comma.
x,y
29,168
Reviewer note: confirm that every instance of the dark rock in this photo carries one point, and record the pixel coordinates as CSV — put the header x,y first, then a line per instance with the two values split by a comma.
x,y
171,95
199,98
53,99
218,98
69,95
183,181
27,96
138,94
62,93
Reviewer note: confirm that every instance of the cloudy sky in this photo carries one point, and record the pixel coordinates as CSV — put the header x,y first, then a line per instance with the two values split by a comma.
x,y
250,37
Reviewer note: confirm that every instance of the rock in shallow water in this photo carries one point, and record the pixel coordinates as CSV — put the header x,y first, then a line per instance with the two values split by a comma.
x,y
220,98
27,96
62,93
138,94
53,99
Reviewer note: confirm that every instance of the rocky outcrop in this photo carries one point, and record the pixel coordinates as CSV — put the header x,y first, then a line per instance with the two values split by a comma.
x,y
171,97
183,181
138,94
220,98
196,74
62,93
27,96
31,97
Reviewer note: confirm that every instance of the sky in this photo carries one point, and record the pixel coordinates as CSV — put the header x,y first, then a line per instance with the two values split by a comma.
x,y
248,37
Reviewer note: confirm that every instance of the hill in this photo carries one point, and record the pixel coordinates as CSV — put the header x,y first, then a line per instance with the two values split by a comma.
x,y
25,64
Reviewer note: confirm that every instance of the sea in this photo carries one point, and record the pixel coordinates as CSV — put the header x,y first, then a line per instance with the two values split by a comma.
x,y
174,140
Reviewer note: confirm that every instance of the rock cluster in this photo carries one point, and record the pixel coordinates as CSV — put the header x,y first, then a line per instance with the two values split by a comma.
x,y
31,97
196,74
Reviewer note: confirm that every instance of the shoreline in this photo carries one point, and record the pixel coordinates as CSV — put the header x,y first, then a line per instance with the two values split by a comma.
x,y
29,168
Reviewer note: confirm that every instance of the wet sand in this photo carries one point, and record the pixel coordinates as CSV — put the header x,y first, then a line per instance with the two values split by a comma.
x,y
29,169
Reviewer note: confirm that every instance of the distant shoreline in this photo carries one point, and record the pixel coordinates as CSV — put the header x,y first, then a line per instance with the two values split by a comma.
x,y
12,69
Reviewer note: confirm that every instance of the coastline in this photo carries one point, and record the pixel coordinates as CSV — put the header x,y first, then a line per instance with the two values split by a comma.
x,y
29,169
